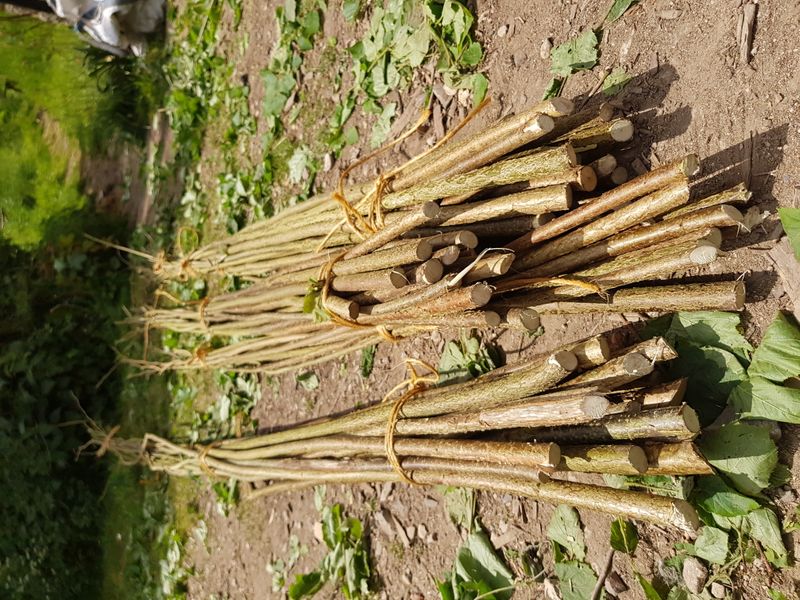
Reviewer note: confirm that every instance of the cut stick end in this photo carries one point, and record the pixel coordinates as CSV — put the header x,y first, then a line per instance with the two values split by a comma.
x,y
621,130
690,419
606,112
595,406
713,237
560,107
566,360
430,271
424,250
553,455
526,319
501,264
448,255
637,364
690,165
740,293
586,179
704,254
480,294
466,239
605,165
732,213
685,517
572,156
493,319
398,278
430,210
638,458
540,123
619,175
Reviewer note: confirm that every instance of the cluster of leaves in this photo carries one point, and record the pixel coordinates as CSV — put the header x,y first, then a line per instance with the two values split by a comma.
x,y
279,567
229,415
466,359
347,561
477,572
59,305
576,577
399,39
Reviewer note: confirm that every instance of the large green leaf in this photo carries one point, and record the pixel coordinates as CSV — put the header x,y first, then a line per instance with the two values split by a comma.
x,y
702,328
575,55
565,530
618,8
712,545
624,537
764,528
759,398
650,593
745,453
576,580
306,585
778,356
790,219
478,561
713,495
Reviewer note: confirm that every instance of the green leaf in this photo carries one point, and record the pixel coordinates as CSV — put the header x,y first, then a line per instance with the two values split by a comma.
x,y
298,164
760,398
290,10
650,592
350,135
778,356
311,23
472,55
460,505
368,360
308,380
477,561
745,453
306,585
381,128
713,495
350,9
776,594
703,328
554,88
781,475
624,537
575,55
765,529
618,8
615,82
712,545
790,219
479,86
565,530
576,580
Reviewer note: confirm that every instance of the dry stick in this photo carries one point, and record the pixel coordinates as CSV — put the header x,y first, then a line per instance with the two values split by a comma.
x,y
667,394
385,279
522,453
676,459
447,255
489,267
499,173
535,377
532,412
492,229
623,218
481,319
642,237
455,301
441,237
579,120
673,424
614,459
424,294
725,295
555,197
427,213
486,146
738,194
636,188
659,510
600,132
615,373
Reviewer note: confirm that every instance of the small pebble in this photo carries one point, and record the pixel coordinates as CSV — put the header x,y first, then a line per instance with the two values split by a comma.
x,y
502,31
422,531
614,584
695,574
669,15
545,48
327,162
718,590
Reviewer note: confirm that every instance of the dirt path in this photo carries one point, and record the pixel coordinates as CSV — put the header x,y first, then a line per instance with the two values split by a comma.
x,y
691,93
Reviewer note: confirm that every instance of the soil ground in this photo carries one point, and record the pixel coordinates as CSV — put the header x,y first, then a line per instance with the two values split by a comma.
x,y
691,93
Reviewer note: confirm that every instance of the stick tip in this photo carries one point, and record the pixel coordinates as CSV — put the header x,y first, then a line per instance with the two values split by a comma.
x,y
481,293
595,406
424,250
638,458
526,319
690,419
621,130
685,517
493,319
690,164
565,359
586,179
540,123
466,239
619,175
398,278
704,254
740,293
430,210
560,106
553,455
637,364
431,271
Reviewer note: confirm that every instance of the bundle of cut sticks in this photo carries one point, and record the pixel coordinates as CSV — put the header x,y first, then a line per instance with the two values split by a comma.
x,y
528,429
529,216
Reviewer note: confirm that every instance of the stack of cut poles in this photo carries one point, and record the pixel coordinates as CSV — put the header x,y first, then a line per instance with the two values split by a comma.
x,y
529,429
531,215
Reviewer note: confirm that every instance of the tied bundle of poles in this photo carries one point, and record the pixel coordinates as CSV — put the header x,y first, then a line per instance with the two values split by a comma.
x,y
532,215
530,429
